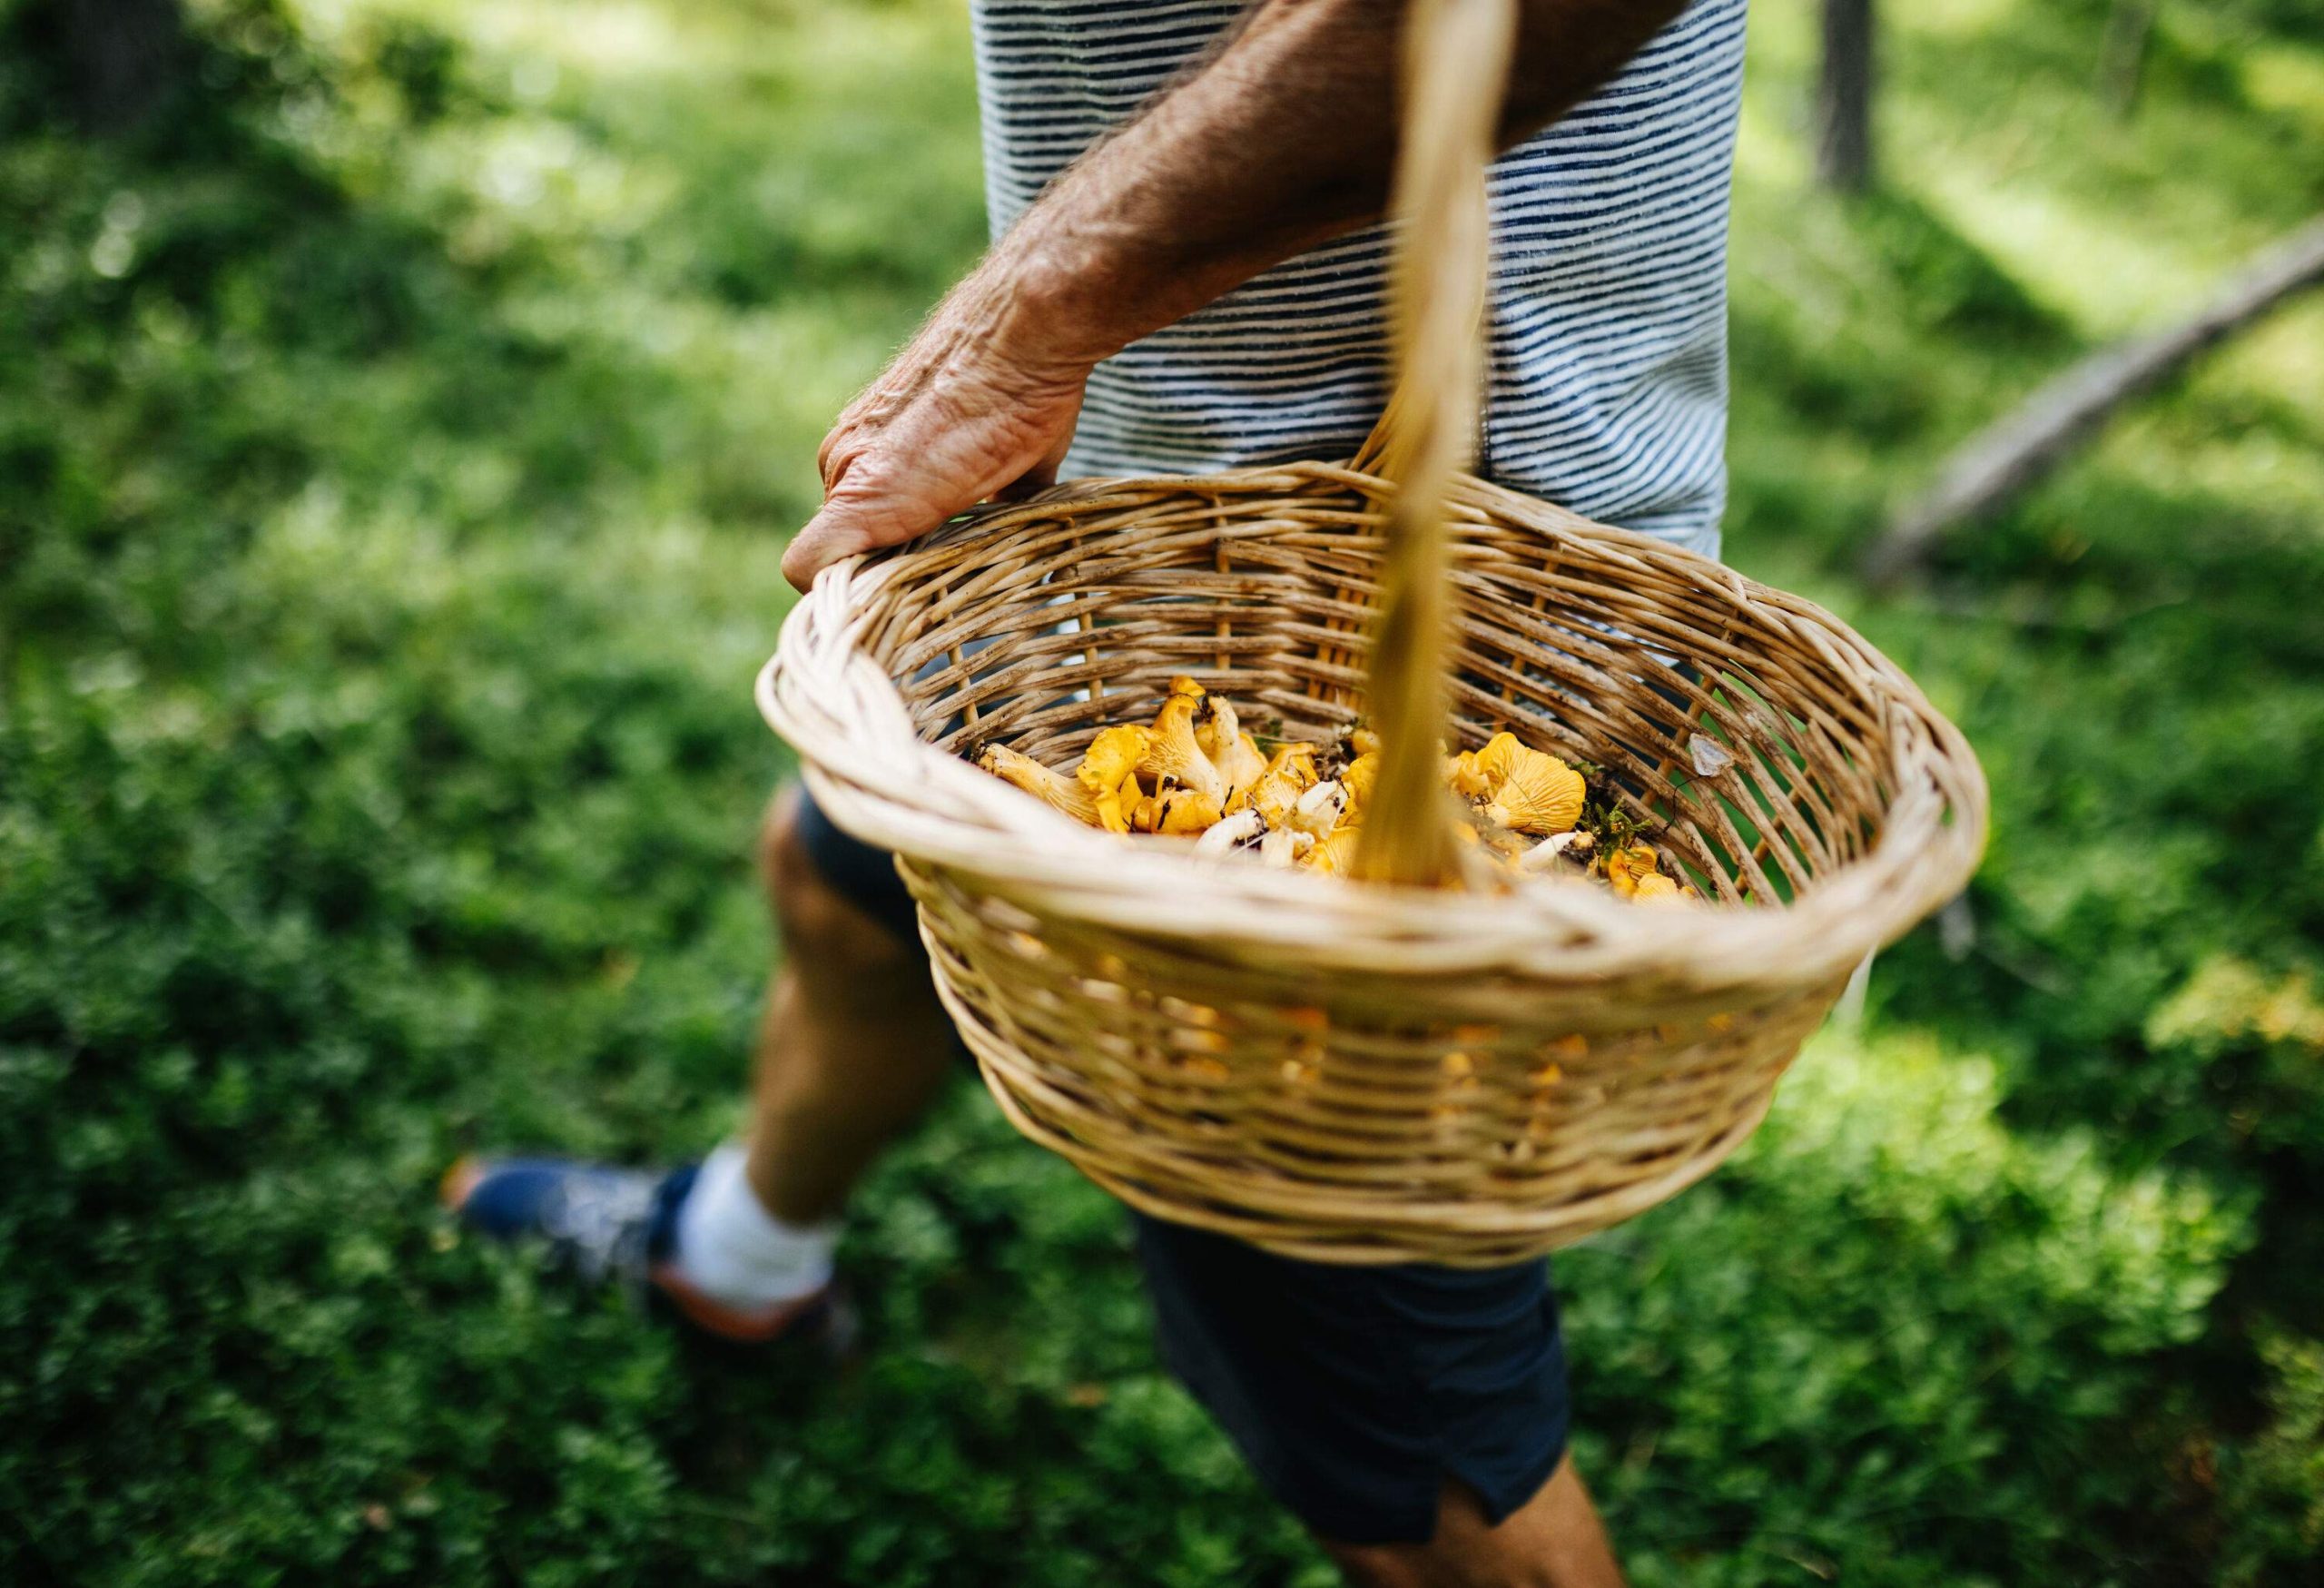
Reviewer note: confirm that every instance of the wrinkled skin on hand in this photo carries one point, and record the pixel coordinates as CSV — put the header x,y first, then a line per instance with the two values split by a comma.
x,y
979,406
1280,141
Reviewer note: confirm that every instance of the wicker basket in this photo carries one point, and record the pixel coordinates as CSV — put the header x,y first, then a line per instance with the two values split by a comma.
x,y
1371,1071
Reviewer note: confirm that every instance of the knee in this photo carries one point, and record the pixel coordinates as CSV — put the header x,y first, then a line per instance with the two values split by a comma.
x,y
819,922
1553,1540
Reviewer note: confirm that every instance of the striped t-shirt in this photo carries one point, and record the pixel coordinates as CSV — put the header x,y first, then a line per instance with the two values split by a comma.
x,y
1608,357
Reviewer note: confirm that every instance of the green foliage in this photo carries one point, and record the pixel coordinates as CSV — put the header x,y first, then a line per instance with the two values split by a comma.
x,y
1895,1342
392,456
2274,1483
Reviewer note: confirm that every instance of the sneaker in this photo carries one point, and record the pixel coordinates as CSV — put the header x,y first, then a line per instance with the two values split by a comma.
x,y
606,1224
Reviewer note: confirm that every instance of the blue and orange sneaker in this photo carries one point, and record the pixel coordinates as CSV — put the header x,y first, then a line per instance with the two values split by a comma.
x,y
619,1225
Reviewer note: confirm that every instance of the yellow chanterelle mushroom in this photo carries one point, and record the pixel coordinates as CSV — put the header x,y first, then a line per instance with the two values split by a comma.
x,y
1173,754
1109,772
1274,797
1053,788
1501,756
1183,813
1296,760
1320,809
1290,773
1475,773
1465,778
1627,866
1334,852
1220,734
1193,773
1534,793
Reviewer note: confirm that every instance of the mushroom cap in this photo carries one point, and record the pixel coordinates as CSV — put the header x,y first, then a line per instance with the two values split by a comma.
x,y
1500,755
1320,808
1115,806
1185,813
1334,852
1535,793
1296,761
1466,775
1240,763
1109,772
1113,757
1276,796
1219,733
1654,888
1173,753
1626,866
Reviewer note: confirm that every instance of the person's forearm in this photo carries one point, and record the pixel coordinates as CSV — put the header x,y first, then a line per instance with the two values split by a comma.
x,y
1276,143
1280,140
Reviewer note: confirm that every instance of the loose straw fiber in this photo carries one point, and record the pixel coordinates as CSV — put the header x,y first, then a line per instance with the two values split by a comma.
x,y
1379,1070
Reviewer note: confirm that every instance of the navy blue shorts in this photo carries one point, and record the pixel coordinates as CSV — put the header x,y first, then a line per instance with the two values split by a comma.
x,y
1353,1393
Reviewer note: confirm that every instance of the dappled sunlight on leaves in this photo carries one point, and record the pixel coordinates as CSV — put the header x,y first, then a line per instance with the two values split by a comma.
x,y
397,454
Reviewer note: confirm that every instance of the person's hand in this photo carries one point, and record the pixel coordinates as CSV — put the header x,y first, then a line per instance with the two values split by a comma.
x,y
980,405
1278,142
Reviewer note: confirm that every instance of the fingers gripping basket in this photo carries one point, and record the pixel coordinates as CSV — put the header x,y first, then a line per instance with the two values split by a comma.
x,y
1377,1072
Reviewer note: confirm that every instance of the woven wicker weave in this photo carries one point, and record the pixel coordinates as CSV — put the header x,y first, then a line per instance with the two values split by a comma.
x,y
1362,1071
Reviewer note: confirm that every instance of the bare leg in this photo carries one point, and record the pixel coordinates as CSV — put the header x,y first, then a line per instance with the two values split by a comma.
x,y
1553,1540
852,1045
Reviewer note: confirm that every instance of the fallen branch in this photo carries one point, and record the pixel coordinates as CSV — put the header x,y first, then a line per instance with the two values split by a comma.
x,y
2010,454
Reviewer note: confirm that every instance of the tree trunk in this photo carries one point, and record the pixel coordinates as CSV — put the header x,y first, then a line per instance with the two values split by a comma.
x,y
1844,98
2121,59
122,59
2007,456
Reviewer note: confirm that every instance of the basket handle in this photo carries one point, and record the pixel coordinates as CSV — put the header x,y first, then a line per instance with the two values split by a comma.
x,y
1456,59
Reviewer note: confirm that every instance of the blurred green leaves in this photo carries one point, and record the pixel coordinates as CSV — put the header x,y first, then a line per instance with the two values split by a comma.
x,y
1895,1335
393,459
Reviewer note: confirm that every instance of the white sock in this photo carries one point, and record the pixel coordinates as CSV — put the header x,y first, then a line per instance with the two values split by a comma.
x,y
732,1249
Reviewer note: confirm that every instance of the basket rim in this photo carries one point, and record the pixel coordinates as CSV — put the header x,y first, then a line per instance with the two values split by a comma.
x,y
867,767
